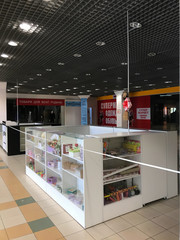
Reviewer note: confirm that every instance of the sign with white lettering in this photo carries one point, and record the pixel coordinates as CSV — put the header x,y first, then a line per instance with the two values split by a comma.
x,y
107,112
143,113
40,102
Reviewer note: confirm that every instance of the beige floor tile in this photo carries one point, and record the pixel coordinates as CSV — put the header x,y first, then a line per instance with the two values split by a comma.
x,y
166,236
61,218
175,230
171,203
118,224
27,237
150,228
47,202
82,235
161,207
100,231
69,228
18,231
174,214
12,217
5,195
52,210
32,212
114,237
134,218
133,234
48,234
1,224
3,235
165,221
148,212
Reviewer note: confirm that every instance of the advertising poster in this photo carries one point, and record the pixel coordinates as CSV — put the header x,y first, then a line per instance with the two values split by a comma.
x,y
84,111
107,112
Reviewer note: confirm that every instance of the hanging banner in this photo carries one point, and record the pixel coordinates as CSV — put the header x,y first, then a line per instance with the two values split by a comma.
x,y
83,111
107,112
73,104
39,102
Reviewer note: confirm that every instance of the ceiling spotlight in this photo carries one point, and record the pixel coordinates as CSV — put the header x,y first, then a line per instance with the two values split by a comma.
x,y
159,68
60,91
75,78
50,86
137,74
48,69
77,55
54,92
12,88
8,90
105,81
20,84
61,63
37,90
83,86
103,69
168,82
17,86
97,89
88,74
137,86
151,54
75,88
1,64
25,81
88,90
135,25
145,80
43,88
100,43
64,81
4,55
39,74
25,26
74,93
119,78
93,84
12,43
67,89
33,91
124,63
56,84
80,92
31,79
151,84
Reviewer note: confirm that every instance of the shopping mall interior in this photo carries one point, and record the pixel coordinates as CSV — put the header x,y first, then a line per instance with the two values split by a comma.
x,y
89,120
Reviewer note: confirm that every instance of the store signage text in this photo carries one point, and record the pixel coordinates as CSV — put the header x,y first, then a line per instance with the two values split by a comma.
x,y
143,113
40,102
107,112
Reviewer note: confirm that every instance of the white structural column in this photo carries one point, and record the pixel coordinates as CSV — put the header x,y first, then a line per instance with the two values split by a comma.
x,y
3,109
84,109
120,110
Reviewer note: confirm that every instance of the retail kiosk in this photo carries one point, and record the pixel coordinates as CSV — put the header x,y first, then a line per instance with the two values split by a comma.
x,y
98,173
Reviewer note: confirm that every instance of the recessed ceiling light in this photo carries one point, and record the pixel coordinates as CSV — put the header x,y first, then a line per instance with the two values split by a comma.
x,y
31,79
1,64
43,88
137,86
12,88
8,90
97,89
105,81
80,92
17,86
93,84
12,43
54,92
145,80
75,78
50,86
64,81
39,74
37,90
137,74
48,69
67,89
103,69
83,86
151,84
135,25
119,78
4,55
159,68
25,81
61,63
75,88
25,26
77,55
166,95
100,43
33,91
151,54
164,77
20,84
168,82
124,63
60,91
88,90
88,74
56,84
74,93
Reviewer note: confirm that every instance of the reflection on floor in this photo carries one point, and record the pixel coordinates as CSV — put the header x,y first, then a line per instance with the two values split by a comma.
x,y
27,213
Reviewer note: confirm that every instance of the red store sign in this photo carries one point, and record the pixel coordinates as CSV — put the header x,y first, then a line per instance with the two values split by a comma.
x,y
107,112
39,102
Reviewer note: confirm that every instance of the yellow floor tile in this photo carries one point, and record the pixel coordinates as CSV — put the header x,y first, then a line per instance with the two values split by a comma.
x,y
3,235
2,164
18,231
50,233
32,212
7,205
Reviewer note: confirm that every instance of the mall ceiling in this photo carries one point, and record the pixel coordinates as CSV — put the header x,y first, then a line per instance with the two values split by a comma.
x,y
74,47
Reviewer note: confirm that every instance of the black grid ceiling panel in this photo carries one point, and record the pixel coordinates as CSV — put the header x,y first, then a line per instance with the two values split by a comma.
x,y
74,26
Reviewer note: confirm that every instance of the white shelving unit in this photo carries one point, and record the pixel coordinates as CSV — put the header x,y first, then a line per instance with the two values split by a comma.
x,y
98,177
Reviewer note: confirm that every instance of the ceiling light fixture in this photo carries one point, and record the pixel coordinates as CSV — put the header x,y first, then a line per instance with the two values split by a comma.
x,y
105,81
60,91
103,69
37,90
64,81
25,81
12,88
135,25
93,84
31,79
56,84
48,69
88,90
33,91
124,63
12,43
119,78
159,68
151,54
77,55
75,78
54,92
1,64
39,74
168,82
151,84
137,74
43,88
25,26
50,86
97,89
83,86
67,89
4,55
61,63
88,74
75,87
20,84
137,86
100,43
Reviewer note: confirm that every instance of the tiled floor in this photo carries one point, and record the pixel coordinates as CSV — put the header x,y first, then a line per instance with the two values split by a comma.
x,y
27,213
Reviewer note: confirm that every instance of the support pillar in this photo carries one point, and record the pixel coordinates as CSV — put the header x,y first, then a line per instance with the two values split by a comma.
x,y
3,100
120,110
